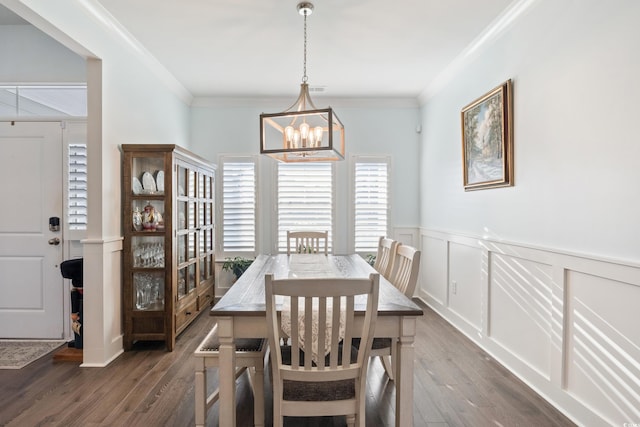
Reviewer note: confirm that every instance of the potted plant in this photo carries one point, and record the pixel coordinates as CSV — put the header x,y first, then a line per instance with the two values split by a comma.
x,y
371,259
236,265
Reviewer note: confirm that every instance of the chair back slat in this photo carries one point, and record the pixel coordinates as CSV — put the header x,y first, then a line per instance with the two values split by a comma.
x,y
308,326
335,338
295,341
348,334
321,322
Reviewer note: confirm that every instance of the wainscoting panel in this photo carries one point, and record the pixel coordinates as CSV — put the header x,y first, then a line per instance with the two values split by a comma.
x,y
433,271
465,283
566,324
603,345
520,309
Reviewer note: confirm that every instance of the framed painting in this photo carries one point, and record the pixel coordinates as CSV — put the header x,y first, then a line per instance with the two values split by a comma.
x,y
487,140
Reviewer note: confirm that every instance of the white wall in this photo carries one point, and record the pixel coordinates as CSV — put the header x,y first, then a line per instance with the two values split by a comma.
x,y
574,67
545,275
131,100
30,56
385,127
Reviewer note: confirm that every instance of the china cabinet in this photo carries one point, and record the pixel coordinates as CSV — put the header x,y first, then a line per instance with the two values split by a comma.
x,y
168,254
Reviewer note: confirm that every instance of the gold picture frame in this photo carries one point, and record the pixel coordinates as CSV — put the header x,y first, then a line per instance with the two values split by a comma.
x,y
487,140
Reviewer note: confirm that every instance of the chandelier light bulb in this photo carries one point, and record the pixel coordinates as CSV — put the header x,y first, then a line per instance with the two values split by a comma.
x,y
288,136
304,133
317,132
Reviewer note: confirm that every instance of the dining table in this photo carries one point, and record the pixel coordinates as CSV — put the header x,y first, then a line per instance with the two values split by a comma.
x,y
241,313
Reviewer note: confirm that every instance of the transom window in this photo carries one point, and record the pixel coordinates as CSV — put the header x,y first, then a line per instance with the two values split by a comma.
x,y
43,101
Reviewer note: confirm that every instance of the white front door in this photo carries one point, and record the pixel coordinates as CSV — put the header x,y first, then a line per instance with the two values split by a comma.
x,y
31,285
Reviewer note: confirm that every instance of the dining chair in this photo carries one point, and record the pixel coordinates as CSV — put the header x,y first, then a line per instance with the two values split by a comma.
x,y
404,276
406,265
315,376
308,242
384,257
250,356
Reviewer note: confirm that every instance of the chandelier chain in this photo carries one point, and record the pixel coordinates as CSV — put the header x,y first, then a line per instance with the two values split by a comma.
x,y
304,74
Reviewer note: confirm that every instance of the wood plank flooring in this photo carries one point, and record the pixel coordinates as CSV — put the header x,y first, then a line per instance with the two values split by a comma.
x,y
456,384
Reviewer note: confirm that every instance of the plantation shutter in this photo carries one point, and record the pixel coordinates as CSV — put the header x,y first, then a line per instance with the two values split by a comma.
x,y
77,182
371,198
305,199
239,206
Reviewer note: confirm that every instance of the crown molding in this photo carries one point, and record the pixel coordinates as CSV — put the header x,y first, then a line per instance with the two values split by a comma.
x,y
270,102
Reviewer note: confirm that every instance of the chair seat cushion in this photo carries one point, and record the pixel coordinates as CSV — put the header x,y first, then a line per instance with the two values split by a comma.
x,y
319,391
325,391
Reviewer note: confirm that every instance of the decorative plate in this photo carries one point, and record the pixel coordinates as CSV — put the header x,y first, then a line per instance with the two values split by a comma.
x,y
160,181
137,186
148,183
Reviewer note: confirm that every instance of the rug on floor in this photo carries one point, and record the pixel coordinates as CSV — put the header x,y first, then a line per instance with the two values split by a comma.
x,y
16,354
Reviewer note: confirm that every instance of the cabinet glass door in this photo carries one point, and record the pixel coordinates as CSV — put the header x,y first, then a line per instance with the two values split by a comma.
x,y
187,230
206,226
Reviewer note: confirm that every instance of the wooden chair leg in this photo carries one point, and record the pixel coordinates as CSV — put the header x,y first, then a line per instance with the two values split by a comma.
x,y
277,411
388,366
258,396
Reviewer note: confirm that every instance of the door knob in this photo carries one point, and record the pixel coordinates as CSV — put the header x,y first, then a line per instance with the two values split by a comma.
x,y
54,241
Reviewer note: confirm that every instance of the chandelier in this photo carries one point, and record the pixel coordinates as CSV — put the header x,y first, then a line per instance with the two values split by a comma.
x,y
302,133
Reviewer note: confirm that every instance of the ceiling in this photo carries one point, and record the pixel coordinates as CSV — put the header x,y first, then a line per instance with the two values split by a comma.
x,y
254,48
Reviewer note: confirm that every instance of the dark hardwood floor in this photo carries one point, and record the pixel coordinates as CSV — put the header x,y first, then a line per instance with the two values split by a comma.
x,y
456,384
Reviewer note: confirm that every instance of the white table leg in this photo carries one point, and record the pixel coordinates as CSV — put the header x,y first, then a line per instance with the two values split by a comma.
x,y
404,372
226,372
